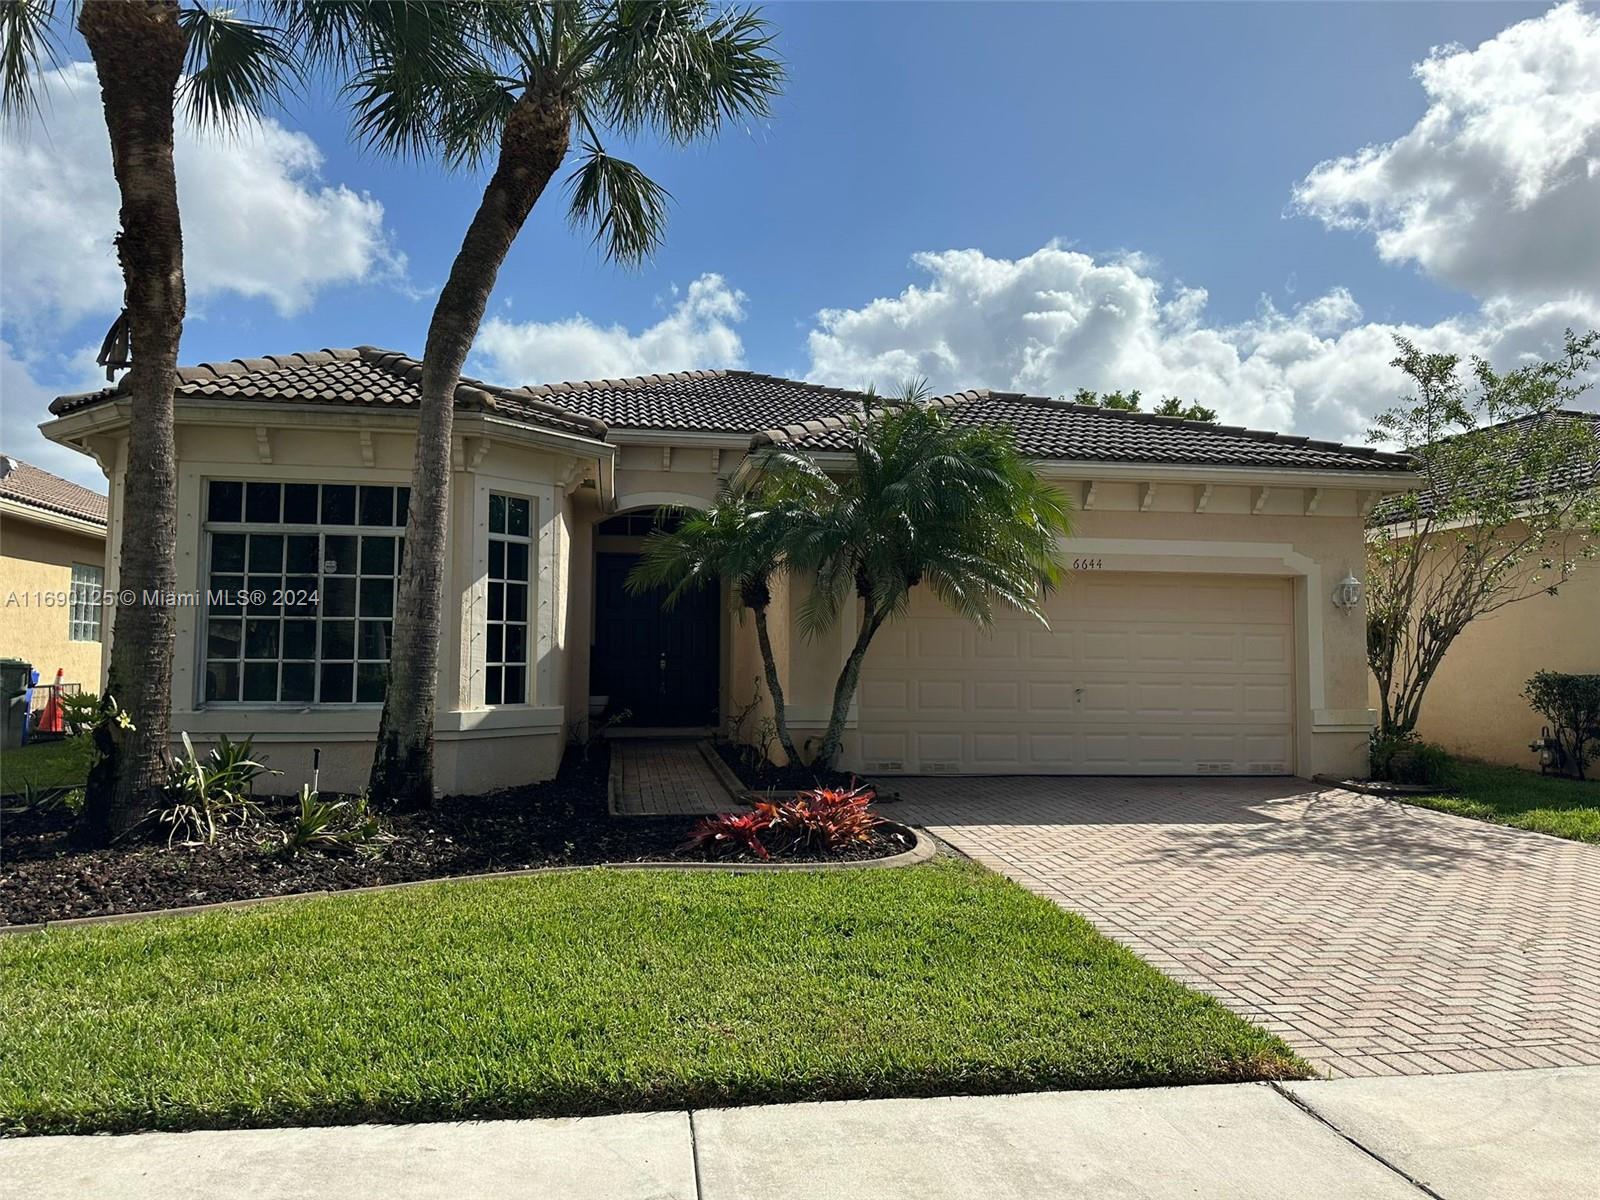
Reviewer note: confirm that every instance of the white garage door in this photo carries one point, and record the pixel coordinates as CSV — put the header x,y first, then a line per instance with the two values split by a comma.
x,y
1138,674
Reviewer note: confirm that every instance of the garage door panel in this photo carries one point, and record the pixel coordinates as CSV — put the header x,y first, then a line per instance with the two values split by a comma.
x,y
1047,751
1136,674
1000,751
1266,701
1269,648
940,639
997,695
1165,699
936,749
1052,643
1210,648
998,645
1045,696
886,695
941,695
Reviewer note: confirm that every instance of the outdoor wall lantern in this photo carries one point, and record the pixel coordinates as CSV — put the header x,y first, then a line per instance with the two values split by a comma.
x,y
1347,592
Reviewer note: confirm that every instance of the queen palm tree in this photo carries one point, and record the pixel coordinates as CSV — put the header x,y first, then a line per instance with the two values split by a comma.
x,y
922,502
151,56
513,83
739,538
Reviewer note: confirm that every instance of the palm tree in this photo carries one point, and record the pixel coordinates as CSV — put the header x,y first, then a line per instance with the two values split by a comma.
x,y
923,502
739,538
148,55
513,83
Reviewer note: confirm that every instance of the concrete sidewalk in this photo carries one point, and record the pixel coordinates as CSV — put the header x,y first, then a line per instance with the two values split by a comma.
x,y
1503,1135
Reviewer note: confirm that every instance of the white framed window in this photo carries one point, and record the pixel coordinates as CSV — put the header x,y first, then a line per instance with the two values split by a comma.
x,y
505,674
84,623
300,591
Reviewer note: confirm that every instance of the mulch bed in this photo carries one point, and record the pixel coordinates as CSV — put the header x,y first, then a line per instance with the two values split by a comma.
x,y
793,778
564,822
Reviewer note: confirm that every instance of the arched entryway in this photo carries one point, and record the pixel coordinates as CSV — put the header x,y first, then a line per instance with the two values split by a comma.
x,y
661,664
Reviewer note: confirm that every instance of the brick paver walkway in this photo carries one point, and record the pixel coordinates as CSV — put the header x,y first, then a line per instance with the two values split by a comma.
x,y
669,776
1375,938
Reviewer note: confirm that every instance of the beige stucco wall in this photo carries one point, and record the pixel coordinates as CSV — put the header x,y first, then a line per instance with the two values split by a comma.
x,y
478,747
35,577
1474,705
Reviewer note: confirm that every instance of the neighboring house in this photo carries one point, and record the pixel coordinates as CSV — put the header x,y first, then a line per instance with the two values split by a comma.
x,y
52,567
1474,705
1198,631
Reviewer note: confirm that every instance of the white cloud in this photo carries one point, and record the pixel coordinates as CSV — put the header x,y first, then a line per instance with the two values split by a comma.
x,y
258,220
24,403
698,333
1496,190
1057,320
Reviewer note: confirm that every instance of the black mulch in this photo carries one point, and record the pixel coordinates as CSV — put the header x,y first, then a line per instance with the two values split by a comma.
x,y
43,877
764,777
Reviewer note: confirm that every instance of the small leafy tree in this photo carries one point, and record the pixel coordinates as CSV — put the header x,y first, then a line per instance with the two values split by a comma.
x,y
1133,401
1571,703
922,502
1508,506
739,538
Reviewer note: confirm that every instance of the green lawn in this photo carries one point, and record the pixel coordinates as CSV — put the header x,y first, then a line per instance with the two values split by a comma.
x,y
45,764
590,992
1561,807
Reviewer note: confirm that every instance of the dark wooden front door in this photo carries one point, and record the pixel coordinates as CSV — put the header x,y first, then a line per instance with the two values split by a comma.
x,y
660,663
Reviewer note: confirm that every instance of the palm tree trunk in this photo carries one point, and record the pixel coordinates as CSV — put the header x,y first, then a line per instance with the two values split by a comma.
x,y
844,690
780,710
532,147
138,51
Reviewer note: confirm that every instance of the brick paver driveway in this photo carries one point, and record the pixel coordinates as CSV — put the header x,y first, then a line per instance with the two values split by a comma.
x,y
1374,937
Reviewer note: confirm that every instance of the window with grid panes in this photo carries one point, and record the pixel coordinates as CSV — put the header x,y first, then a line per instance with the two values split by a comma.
x,y
505,675
83,622
300,591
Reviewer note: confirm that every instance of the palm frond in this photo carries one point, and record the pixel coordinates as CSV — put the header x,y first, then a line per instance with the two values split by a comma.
x,y
626,208
27,45
472,115
683,71
234,68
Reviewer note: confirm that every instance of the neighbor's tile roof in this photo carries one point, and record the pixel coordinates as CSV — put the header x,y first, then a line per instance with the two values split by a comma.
x,y
1056,429
365,376
28,484
736,402
1582,469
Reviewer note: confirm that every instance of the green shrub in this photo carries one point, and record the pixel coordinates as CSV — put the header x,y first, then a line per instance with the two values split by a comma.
x,y
1406,758
1571,703
80,711
335,825
213,794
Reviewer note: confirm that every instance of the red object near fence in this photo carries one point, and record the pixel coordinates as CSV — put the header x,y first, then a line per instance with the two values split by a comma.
x,y
52,719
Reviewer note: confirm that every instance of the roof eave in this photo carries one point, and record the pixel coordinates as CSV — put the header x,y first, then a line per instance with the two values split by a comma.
x,y
1381,480
16,509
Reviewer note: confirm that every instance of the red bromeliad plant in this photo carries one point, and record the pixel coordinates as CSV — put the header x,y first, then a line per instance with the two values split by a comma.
x,y
818,821
821,820
728,833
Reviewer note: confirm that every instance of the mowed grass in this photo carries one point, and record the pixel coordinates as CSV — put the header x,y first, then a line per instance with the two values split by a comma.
x,y
588,992
63,763
1562,808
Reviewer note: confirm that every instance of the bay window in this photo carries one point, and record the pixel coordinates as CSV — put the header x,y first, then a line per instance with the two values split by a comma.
x,y
300,591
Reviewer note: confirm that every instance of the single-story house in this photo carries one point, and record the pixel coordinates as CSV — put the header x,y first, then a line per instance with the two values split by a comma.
x,y
1207,625
1474,706
52,568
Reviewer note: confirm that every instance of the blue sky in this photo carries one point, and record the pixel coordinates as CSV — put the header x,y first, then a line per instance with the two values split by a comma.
x,y
1096,160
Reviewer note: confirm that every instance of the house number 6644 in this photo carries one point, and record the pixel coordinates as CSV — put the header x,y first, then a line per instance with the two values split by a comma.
x,y
1088,564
